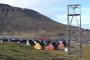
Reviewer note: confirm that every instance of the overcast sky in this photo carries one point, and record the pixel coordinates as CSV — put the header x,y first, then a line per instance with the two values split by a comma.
x,y
54,9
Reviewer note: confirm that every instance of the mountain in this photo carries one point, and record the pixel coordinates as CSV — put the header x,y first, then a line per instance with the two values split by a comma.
x,y
86,26
15,19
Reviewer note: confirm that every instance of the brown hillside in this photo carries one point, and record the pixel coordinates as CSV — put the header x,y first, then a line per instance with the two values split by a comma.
x,y
15,19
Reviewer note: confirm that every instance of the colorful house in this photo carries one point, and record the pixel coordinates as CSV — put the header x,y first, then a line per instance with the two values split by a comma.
x,y
43,44
37,45
55,45
49,47
31,42
60,45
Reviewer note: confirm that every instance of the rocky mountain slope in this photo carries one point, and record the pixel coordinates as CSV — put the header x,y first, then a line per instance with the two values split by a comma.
x,y
15,19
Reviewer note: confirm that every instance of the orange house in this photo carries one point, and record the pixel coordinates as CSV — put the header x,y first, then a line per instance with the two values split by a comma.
x,y
49,47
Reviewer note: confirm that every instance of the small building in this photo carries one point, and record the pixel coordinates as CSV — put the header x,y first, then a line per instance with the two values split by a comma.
x,y
60,45
49,47
31,42
55,45
43,44
37,45
22,41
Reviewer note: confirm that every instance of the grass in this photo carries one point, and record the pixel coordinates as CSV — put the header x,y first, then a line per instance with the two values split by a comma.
x,y
14,51
86,53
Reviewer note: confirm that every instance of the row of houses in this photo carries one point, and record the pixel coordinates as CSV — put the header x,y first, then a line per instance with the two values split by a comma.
x,y
40,43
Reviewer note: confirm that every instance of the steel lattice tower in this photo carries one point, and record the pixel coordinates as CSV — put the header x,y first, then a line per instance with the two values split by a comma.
x,y
74,32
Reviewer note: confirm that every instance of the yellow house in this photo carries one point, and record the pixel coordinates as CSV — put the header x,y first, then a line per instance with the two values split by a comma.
x,y
37,46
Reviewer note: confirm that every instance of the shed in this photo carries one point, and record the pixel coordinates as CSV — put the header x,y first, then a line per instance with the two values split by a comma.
x,y
37,45
49,47
23,41
31,42
60,45
55,45
42,43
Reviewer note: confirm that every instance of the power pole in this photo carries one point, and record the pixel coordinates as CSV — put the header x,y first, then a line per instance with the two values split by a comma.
x,y
74,32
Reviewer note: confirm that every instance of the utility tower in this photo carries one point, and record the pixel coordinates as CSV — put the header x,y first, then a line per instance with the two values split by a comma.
x,y
74,30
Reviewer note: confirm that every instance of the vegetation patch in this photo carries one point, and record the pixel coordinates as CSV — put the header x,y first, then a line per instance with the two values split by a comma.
x,y
15,51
